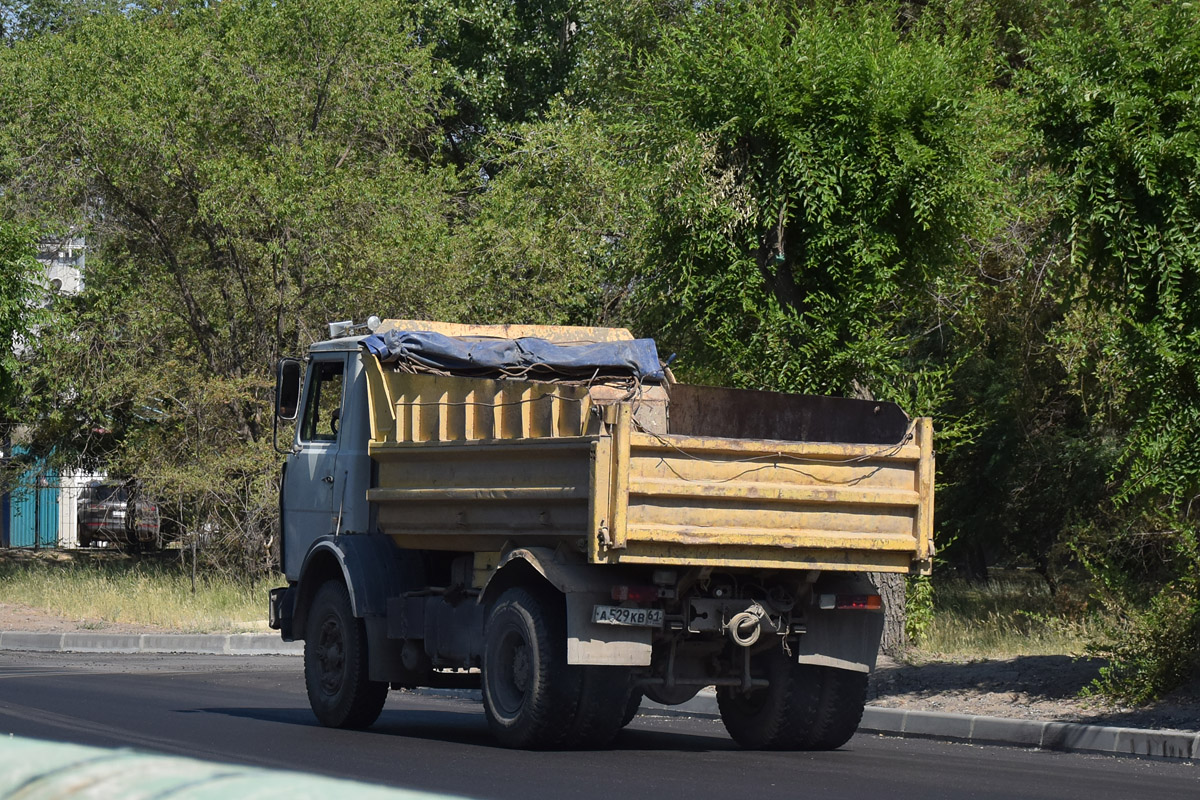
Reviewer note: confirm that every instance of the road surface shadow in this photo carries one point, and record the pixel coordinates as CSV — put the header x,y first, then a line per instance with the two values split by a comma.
x,y
470,728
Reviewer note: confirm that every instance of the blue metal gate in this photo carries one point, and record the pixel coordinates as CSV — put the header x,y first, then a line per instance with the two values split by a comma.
x,y
33,508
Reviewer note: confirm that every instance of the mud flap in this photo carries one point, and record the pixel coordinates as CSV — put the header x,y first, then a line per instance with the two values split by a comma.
x,y
842,638
592,643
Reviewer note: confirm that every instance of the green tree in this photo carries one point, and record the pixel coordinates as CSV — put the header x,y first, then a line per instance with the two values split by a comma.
x,y
816,172
547,239
244,172
20,296
1116,89
510,58
24,19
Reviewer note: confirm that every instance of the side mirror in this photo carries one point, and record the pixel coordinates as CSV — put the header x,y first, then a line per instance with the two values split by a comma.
x,y
287,388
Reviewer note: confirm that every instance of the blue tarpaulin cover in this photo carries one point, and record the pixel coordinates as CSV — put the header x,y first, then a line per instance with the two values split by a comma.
x,y
637,358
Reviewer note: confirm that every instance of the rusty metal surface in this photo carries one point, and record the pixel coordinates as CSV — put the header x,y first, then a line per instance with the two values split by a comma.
x,y
473,496
748,414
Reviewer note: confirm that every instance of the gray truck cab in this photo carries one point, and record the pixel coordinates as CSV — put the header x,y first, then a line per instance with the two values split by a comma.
x,y
324,475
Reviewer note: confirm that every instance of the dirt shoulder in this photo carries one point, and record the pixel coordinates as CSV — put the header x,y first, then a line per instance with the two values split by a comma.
x,y
1044,688
16,617
1028,687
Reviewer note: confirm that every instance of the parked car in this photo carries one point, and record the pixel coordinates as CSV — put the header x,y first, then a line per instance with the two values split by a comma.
x,y
103,512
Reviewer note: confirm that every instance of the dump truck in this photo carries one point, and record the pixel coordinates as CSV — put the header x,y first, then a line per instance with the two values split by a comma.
x,y
543,513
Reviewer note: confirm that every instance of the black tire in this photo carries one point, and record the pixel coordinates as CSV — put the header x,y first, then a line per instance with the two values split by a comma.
x,y
806,707
631,707
604,696
529,694
335,663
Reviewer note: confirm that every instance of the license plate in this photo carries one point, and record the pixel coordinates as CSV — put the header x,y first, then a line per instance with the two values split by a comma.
x,y
638,617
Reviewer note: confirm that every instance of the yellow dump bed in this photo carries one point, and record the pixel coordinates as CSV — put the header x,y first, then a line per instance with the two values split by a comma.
x,y
630,474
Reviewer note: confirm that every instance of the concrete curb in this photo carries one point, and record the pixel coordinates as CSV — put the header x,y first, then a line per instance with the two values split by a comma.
x,y
1066,737
225,644
1063,737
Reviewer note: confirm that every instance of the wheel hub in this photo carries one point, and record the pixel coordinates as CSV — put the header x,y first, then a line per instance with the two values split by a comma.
x,y
513,673
522,668
331,656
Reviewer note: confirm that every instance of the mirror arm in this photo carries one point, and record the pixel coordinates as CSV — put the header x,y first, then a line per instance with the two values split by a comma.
x,y
275,435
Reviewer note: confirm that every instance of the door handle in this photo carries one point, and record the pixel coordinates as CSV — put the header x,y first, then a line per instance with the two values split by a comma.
x,y
328,479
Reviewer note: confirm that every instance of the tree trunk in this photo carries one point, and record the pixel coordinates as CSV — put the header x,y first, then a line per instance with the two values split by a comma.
x,y
891,588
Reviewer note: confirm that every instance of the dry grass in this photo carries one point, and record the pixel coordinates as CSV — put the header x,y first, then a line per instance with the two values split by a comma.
x,y
117,588
1014,614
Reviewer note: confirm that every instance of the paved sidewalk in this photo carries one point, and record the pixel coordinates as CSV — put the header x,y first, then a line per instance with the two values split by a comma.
x,y
1058,736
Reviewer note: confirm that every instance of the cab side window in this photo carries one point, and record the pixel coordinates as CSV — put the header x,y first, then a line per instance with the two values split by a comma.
x,y
324,404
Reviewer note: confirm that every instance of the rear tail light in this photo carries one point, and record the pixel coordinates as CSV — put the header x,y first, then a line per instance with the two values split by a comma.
x,y
638,594
861,602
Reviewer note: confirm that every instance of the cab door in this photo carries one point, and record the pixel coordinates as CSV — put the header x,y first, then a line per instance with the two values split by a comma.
x,y
313,488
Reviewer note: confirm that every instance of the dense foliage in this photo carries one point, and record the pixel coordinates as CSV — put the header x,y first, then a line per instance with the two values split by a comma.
x,y
1116,102
984,209
21,294
818,184
243,171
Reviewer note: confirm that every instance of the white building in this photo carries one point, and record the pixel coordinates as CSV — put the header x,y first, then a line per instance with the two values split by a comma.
x,y
64,262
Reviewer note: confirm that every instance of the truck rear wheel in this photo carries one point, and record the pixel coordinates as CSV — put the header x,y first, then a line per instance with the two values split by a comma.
x,y
604,698
529,694
335,663
631,707
806,707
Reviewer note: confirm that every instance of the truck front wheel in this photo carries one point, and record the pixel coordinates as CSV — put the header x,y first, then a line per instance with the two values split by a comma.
x,y
805,707
335,663
529,694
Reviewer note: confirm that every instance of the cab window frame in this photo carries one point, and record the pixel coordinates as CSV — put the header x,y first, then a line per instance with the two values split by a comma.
x,y
319,407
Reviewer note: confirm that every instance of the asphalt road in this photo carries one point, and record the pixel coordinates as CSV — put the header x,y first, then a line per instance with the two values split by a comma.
x,y
254,711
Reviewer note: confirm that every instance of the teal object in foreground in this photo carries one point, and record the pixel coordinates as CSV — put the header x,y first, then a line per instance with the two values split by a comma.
x,y
37,770
32,507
